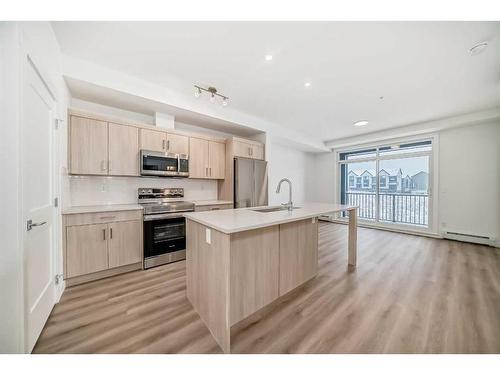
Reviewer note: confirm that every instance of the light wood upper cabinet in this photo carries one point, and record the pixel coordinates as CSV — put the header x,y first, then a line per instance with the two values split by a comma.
x,y
125,243
207,159
86,249
198,158
153,140
248,149
123,150
178,144
257,151
88,144
216,160
241,149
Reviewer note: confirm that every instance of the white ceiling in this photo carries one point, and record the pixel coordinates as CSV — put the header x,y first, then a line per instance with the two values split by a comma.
x,y
112,98
423,70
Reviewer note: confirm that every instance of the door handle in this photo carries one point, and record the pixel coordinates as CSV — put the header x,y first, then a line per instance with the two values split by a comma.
x,y
30,224
111,233
104,234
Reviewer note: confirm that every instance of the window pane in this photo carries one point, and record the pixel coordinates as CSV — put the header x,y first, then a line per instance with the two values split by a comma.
x,y
405,148
358,187
359,154
403,190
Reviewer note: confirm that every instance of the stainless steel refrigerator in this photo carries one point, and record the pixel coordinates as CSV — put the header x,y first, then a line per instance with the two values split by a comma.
x,y
250,183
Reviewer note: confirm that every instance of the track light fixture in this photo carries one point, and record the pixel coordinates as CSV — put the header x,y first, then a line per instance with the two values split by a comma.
x,y
213,94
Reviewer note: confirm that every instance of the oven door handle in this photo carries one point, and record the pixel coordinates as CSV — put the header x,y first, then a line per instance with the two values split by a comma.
x,y
173,215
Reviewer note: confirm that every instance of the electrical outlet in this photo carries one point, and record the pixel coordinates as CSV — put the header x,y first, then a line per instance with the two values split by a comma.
x,y
208,235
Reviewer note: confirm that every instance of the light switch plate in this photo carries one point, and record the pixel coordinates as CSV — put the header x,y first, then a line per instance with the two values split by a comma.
x,y
208,236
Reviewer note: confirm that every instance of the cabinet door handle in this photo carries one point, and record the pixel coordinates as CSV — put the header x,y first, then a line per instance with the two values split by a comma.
x,y
111,233
168,144
210,171
163,144
107,217
104,234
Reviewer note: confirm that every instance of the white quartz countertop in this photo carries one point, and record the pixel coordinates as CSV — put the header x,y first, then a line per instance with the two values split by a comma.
x,y
242,219
100,208
212,202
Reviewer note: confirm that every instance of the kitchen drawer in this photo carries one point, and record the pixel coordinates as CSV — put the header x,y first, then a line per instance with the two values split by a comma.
x,y
213,207
102,217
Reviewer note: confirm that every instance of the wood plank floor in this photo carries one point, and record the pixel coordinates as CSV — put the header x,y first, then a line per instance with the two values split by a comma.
x,y
409,294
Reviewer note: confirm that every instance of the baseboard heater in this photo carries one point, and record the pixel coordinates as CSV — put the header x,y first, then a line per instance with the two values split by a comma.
x,y
474,238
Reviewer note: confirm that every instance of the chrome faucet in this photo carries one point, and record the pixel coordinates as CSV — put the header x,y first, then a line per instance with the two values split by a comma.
x,y
288,205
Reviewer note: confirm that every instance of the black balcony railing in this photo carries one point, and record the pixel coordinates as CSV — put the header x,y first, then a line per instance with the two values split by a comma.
x,y
393,207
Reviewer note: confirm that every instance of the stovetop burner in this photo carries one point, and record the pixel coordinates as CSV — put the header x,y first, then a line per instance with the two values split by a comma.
x,y
163,200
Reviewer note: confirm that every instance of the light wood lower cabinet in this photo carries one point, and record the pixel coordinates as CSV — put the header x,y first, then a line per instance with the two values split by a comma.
x,y
86,249
298,253
254,271
96,245
125,243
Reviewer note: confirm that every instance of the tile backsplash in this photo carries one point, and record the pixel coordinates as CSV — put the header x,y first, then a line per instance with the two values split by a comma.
x,y
96,190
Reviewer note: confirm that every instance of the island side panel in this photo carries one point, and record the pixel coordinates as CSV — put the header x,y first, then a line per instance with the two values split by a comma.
x,y
298,253
207,267
254,271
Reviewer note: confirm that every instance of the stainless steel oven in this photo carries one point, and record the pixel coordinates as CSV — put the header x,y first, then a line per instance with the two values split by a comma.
x,y
164,227
164,239
166,164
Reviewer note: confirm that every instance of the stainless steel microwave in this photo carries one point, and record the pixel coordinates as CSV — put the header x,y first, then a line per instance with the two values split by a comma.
x,y
165,164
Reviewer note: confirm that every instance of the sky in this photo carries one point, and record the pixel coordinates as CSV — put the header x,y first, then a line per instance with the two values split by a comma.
x,y
409,166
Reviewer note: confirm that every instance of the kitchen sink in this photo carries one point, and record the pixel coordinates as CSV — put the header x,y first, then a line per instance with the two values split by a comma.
x,y
273,209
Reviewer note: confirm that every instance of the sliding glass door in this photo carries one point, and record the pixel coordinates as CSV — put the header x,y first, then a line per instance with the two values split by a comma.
x,y
389,183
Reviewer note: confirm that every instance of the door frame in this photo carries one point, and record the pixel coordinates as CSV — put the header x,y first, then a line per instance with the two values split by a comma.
x,y
28,57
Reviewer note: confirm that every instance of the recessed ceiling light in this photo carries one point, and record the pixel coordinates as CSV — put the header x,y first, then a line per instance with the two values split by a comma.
x,y
478,48
269,57
307,84
361,123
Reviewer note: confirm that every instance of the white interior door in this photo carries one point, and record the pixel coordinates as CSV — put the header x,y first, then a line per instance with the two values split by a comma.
x,y
37,180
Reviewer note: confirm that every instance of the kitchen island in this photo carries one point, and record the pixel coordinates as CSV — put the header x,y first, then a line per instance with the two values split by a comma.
x,y
239,261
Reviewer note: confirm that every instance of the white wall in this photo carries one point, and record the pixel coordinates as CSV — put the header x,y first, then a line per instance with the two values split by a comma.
x,y
293,164
19,39
469,179
10,248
